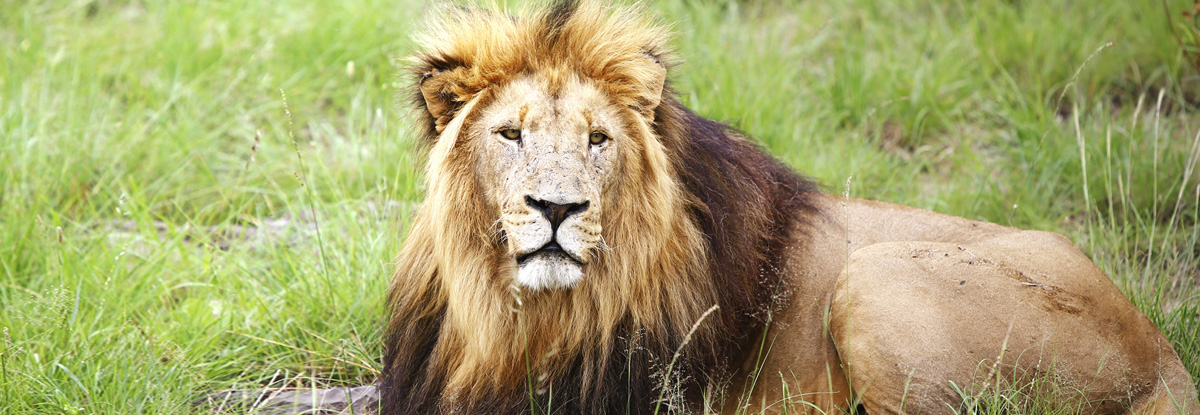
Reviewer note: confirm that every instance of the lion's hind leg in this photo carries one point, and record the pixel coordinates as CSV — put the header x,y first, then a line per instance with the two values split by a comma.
x,y
1024,319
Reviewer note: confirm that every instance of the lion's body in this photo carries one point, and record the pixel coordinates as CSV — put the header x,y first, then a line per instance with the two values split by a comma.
x,y
917,300
589,245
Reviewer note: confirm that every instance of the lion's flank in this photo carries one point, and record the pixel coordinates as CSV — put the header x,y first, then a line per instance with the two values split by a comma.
x,y
462,339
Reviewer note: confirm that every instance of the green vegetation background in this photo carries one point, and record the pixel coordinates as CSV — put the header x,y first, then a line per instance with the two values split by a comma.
x,y
167,228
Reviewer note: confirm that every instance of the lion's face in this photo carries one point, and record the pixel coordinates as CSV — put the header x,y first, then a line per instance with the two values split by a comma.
x,y
533,127
546,155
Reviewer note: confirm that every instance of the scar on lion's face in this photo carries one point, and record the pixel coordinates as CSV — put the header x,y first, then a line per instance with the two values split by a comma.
x,y
545,154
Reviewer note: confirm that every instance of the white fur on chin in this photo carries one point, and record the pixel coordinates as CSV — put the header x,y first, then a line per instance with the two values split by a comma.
x,y
547,272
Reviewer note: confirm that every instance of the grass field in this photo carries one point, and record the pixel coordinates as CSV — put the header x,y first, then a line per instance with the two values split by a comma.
x,y
171,224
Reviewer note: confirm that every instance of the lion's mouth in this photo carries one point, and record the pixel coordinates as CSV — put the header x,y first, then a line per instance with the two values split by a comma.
x,y
550,249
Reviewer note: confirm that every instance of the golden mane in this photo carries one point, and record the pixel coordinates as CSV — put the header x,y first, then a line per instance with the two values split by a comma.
x,y
703,221
485,48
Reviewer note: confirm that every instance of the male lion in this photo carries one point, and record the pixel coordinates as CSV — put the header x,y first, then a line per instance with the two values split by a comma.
x,y
589,245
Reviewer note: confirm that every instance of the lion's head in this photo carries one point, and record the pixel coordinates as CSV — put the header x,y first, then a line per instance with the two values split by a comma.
x,y
550,149
557,136
578,220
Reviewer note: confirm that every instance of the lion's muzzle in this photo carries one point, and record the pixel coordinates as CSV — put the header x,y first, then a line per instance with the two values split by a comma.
x,y
553,259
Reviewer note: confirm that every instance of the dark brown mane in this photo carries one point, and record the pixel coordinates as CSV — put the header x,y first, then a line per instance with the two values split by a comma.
x,y
748,204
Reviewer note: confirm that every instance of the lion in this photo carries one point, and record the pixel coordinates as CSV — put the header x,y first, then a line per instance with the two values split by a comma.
x,y
590,245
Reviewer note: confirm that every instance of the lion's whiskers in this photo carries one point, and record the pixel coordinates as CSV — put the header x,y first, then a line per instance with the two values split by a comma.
x,y
497,231
602,246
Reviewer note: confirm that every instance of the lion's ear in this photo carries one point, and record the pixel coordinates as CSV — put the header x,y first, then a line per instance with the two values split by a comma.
x,y
442,95
653,81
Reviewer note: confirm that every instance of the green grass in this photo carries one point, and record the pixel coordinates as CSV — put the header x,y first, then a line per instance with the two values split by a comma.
x,y
137,139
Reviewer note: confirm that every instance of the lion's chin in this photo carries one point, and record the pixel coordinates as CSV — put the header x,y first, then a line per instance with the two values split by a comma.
x,y
548,271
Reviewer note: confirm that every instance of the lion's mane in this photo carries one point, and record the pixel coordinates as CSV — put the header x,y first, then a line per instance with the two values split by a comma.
x,y
705,220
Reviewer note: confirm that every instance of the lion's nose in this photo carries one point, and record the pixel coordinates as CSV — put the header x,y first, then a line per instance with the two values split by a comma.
x,y
556,213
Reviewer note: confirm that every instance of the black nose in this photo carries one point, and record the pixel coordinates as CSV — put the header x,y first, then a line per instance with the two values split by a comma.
x,y
554,212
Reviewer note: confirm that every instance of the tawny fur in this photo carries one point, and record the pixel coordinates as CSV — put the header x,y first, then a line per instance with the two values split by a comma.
x,y
701,218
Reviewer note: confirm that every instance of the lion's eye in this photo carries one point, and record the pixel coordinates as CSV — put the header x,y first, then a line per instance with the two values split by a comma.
x,y
511,133
597,138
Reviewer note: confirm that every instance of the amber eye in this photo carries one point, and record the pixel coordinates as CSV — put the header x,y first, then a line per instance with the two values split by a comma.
x,y
597,138
511,133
